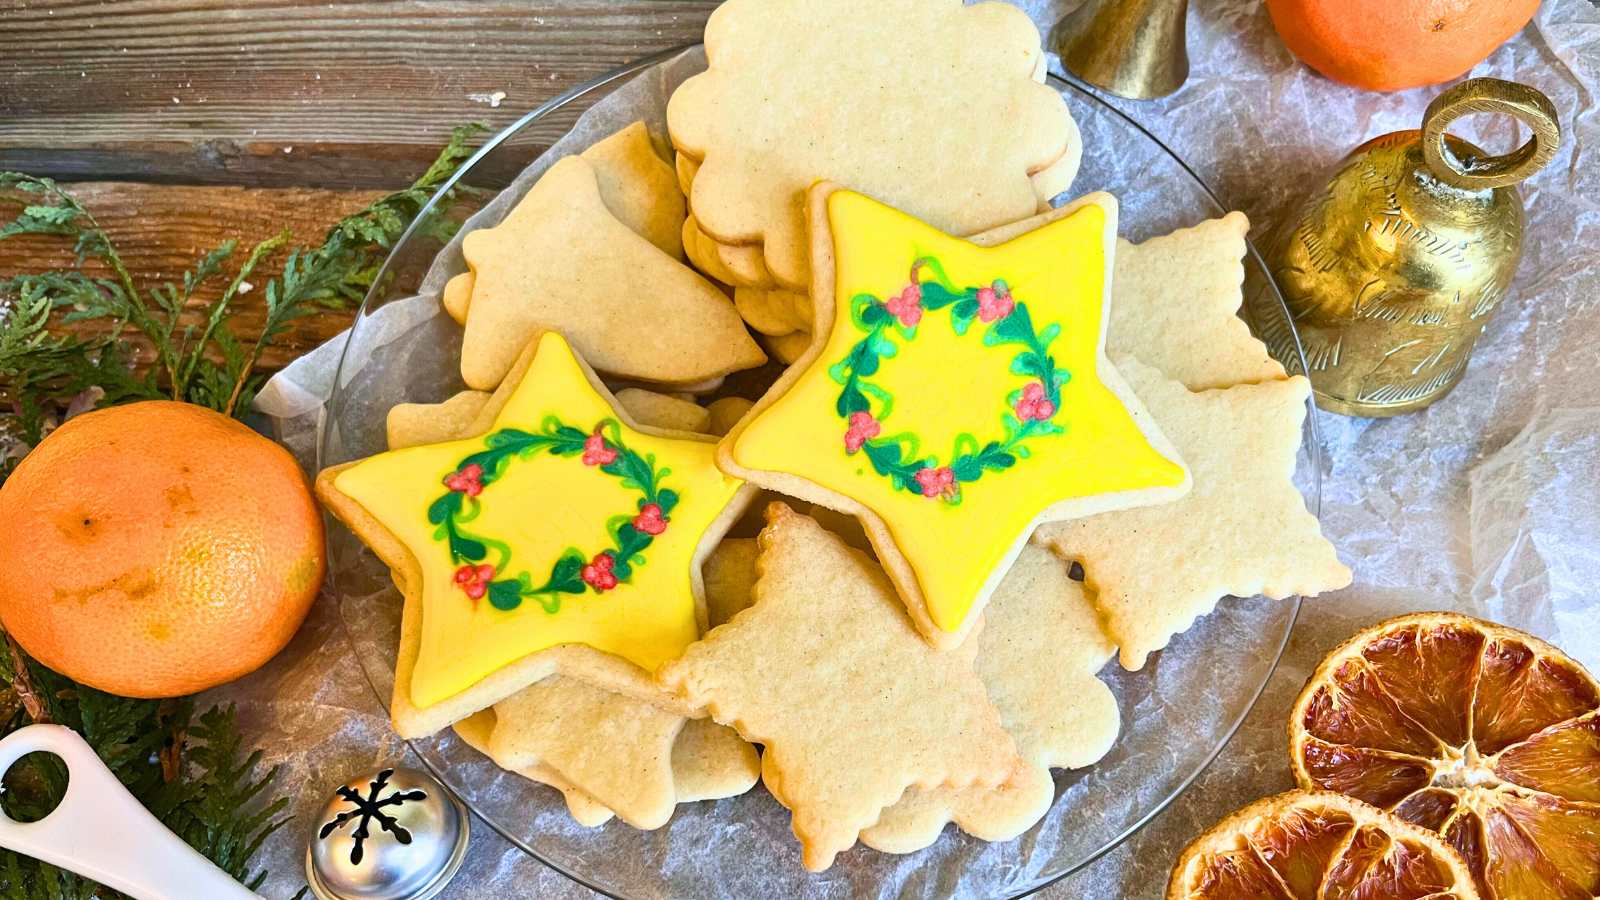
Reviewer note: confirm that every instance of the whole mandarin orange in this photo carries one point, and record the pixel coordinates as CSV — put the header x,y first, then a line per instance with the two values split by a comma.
x,y
157,549
1391,45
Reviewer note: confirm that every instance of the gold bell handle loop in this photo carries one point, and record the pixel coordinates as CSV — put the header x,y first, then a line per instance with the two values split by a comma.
x,y
1490,95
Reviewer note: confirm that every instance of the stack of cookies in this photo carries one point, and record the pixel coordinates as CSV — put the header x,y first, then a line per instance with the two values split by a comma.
x,y
799,91
622,588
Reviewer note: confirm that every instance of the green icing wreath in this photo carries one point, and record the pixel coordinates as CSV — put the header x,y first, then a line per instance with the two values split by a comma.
x,y
1029,411
574,572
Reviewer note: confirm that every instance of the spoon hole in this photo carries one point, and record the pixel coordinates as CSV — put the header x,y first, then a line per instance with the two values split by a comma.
x,y
34,786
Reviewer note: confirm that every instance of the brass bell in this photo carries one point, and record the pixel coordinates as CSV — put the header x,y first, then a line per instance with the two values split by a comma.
x,y
1391,270
1132,48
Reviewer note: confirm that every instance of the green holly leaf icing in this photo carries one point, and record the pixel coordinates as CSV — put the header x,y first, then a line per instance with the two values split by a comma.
x,y
1014,328
936,296
871,314
666,498
505,595
564,574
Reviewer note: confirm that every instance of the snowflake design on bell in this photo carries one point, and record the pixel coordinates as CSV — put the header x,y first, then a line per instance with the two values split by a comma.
x,y
365,810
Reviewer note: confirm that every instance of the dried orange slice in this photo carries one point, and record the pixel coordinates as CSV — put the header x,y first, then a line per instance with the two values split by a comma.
x,y
1487,735
1316,845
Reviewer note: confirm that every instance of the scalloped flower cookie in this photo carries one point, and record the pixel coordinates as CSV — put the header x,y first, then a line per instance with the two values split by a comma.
x,y
951,125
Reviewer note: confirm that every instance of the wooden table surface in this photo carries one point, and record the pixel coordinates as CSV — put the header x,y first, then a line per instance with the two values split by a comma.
x,y
180,123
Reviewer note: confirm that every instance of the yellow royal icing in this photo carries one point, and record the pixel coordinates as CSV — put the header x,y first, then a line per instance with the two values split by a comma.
x,y
509,550
958,432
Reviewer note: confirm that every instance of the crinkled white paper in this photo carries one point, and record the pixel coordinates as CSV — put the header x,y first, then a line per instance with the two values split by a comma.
x,y
1488,502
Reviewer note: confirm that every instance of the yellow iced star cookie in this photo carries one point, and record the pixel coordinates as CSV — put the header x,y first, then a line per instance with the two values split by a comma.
x,y
562,537
962,396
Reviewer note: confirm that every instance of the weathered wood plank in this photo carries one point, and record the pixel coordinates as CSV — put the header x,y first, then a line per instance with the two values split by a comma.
x,y
284,91
222,161
162,230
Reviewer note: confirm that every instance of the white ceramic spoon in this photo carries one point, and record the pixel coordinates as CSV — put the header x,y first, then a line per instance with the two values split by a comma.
x,y
101,832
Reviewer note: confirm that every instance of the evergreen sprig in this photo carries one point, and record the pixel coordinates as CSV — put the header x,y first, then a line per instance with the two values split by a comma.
x,y
191,771
198,358
192,774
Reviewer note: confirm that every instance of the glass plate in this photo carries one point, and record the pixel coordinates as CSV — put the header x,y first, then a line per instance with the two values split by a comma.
x,y
1177,712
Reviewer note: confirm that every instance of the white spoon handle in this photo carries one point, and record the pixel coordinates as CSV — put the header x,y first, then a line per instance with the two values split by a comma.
x,y
101,832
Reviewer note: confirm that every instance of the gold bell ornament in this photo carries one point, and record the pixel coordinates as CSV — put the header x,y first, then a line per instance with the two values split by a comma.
x,y
1392,269
1132,48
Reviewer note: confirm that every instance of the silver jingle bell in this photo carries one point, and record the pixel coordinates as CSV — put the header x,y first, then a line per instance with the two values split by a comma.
x,y
394,835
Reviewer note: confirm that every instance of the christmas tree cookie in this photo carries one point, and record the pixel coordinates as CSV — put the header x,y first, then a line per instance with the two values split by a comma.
x,y
560,538
1175,302
850,704
961,397
1243,530
1176,307
1059,713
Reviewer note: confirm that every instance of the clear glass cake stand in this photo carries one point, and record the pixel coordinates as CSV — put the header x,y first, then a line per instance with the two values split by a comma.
x,y
1178,712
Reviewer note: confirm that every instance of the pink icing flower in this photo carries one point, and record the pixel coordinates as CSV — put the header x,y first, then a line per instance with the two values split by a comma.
x,y
995,302
649,520
596,452
474,580
940,482
863,428
1033,404
908,306
598,575
467,480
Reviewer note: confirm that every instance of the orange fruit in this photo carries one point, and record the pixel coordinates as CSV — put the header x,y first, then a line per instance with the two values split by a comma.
x,y
156,549
1308,845
1489,736
1391,45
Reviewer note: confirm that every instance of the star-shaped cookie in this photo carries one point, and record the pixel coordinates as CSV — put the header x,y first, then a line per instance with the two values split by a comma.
x,y
1038,653
851,705
1243,529
955,396
709,762
562,260
474,731
562,537
410,424
878,80
1175,302
617,748
629,756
